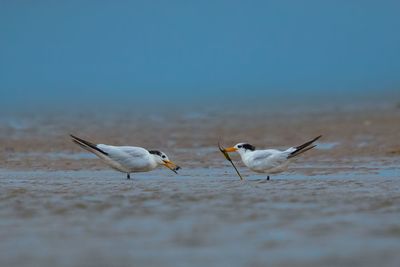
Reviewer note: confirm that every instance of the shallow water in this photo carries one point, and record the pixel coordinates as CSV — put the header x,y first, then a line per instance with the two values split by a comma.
x,y
204,216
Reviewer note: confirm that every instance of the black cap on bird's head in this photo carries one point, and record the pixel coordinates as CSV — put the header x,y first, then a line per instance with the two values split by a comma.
x,y
246,146
155,152
241,147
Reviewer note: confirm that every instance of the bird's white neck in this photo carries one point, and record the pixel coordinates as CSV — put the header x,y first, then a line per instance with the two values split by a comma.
x,y
155,162
244,153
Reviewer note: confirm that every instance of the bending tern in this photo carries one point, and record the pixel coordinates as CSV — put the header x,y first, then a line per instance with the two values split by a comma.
x,y
128,159
269,161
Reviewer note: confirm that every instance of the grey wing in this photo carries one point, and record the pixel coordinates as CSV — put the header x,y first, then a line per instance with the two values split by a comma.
x,y
130,158
262,155
269,158
134,151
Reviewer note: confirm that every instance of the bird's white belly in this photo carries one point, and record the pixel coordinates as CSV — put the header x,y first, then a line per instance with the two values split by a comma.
x,y
144,168
140,167
270,166
115,165
272,170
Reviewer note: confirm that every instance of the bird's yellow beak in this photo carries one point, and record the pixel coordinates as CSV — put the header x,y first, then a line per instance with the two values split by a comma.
x,y
172,166
230,149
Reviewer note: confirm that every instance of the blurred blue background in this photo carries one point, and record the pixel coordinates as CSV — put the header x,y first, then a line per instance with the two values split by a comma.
x,y
135,53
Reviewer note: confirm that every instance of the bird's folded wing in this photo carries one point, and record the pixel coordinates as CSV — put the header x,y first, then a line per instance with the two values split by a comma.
x,y
125,155
263,154
134,151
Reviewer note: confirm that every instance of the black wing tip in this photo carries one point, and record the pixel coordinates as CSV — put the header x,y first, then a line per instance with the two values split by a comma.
x,y
315,139
311,147
84,143
298,152
305,147
318,137
74,137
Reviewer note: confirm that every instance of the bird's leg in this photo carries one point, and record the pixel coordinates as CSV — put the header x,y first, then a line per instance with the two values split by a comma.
x,y
268,178
128,176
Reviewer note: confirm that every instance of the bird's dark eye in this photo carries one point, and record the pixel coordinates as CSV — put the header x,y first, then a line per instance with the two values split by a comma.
x,y
239,146
163,156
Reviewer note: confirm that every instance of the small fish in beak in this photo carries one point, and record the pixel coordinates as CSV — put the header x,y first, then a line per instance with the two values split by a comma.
x,y
225,152
172,166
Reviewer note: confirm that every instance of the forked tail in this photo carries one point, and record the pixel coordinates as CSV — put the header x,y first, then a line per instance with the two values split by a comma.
x,y
303,148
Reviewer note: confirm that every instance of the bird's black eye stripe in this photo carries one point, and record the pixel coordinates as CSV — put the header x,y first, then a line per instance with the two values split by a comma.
x,y
240,146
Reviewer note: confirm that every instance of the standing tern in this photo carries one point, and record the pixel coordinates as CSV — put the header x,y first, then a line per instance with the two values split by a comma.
x,y
128,159
269,161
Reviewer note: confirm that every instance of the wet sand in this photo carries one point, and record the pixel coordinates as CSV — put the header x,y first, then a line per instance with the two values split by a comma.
x,y
339,205
42,142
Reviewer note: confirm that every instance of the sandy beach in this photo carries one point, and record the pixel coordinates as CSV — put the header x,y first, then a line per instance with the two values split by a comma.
x,y
338,205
